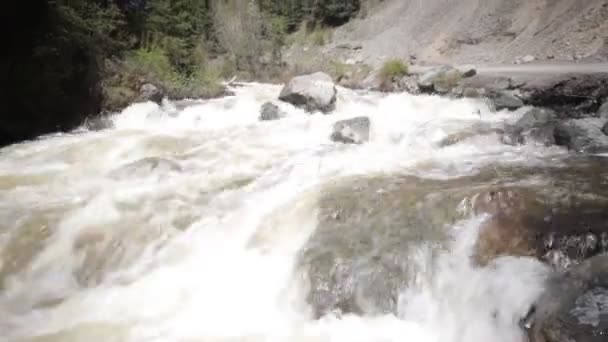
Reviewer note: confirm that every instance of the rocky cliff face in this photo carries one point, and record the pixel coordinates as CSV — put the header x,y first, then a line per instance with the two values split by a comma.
x,y
490,31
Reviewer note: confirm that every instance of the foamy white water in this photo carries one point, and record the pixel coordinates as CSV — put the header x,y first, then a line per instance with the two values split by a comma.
x,y
168,255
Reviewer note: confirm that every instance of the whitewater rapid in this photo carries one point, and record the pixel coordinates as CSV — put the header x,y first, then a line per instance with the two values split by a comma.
x,y
207,252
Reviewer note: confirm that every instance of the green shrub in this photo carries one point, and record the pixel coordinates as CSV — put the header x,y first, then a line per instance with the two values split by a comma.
x,y
392,69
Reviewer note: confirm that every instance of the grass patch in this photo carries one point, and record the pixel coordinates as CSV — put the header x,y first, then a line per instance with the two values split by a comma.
x,y
392,69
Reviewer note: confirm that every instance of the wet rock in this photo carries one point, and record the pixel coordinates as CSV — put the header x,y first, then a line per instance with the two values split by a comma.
x,y
505,100
269,111
146,167
351,131
368,244
582,135
440,80
575,305
150,92
536,126
526,222
475,130
603,111
314,92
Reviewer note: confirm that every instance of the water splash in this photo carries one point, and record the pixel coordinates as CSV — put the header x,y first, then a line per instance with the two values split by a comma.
x,y
206,253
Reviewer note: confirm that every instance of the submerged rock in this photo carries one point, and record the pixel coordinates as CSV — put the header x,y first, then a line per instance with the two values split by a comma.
x,y
269,111
575,305
374,237
473,131
582,135
314,92
352,131
146,167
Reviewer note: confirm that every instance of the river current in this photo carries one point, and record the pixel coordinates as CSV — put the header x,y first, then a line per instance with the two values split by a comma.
x,y
201,246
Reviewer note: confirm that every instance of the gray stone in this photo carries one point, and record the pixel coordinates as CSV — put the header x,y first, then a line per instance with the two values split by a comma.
x,y
506,100
536,117
146,167
528,59
467,70
603,111
605,128
582,135
269,111
575,305
314,92
351,131
441,79
150,92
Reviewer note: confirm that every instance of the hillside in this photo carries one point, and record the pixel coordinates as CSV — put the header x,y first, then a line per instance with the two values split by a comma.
x,y
480,31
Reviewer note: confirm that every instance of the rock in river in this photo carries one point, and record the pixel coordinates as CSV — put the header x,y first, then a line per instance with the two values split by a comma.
x,y
369,238
351,131
575,305
582,135
146,167
270,111
562,223
314,92
536,126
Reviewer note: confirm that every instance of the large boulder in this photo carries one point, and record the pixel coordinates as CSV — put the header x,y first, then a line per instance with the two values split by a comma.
x,y
352,131
270,111
536,126
575,305
561,220
440,80
582,135
314,92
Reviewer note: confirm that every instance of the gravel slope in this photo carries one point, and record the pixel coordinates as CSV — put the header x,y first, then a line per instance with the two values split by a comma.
x,y
479,31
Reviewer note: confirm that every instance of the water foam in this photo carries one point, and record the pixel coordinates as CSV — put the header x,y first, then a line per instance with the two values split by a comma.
x,y
212,248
